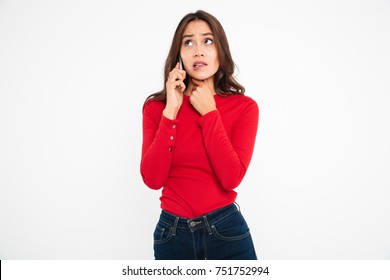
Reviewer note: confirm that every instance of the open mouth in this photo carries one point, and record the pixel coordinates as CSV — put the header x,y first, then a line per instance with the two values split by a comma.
x,y
199,64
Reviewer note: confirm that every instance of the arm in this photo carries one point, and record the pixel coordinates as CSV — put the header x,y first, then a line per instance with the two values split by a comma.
x,y
159,131
157,146
230,158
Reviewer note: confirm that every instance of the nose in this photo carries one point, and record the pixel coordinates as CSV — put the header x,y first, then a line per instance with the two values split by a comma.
x,y
198,53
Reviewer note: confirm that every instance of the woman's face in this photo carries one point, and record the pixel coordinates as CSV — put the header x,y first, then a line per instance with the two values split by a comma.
x,y
198,52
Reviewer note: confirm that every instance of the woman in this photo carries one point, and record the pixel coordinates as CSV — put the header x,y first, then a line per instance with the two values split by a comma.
x,y
198,138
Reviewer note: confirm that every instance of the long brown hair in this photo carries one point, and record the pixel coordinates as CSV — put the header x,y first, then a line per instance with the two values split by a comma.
x,y
224,82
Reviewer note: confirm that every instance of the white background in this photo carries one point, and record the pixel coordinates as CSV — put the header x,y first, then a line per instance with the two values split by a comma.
x,y
73,78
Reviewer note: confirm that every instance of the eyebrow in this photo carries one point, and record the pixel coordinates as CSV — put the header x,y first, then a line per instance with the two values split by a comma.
x,y
203,34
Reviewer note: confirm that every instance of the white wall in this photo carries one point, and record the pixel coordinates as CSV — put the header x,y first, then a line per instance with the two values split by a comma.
x,y
74,75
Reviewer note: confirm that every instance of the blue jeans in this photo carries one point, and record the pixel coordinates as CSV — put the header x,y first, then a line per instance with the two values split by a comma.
x,y
219,235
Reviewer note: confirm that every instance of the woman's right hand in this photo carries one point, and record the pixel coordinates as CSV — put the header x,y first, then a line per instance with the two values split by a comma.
x,y
174,87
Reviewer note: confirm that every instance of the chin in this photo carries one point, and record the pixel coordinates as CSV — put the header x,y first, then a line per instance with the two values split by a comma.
x,y
201,77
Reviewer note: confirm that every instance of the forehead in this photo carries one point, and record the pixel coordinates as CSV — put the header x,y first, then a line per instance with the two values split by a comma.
x,y
197,27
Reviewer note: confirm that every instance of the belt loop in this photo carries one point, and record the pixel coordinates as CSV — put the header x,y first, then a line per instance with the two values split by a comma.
x,y
207,224
175,226
238,206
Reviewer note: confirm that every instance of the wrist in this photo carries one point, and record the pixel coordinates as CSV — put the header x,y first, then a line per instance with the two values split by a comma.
x,y
208,111
170,113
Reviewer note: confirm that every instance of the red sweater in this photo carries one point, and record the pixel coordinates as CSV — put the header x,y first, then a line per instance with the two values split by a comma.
x,y
198,160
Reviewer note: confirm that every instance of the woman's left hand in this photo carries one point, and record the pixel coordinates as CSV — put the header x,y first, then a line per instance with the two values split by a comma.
x,y
202,97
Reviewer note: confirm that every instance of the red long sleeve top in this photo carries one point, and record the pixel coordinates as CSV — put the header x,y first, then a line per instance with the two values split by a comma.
x,y
198,160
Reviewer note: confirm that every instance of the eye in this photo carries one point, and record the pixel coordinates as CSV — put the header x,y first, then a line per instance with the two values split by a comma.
x,y
188,43
208,41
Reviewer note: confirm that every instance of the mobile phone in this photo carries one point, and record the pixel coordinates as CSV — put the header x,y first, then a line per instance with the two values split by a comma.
x,y
181,63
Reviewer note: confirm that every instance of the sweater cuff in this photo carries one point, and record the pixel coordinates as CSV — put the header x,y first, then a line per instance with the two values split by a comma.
x,y
213,115
169,128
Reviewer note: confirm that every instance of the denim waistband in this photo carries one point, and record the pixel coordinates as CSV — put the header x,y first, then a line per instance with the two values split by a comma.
x,y
199,222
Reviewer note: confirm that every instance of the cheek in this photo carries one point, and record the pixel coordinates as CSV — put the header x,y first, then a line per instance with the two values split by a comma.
x,y
215,59
184,58
215,65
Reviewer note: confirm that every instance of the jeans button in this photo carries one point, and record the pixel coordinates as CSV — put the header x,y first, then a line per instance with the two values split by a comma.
x,y
193,223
